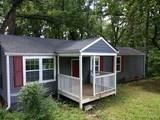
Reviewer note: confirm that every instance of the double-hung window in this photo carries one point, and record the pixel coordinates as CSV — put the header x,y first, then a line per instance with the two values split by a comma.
x,y
48,68
40,69
97,64
32,70
118,63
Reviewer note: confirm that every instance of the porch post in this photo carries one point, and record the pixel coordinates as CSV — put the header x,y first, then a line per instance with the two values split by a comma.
x,y
94,86
115,72
58,82
81,81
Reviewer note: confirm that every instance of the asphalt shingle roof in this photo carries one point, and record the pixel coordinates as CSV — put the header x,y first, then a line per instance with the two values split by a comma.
x,y
129,51
25,44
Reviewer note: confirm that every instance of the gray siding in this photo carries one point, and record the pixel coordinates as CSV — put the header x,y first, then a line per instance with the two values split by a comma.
x,y
65,67
4,77
100,46
132,68
86,70
51,86
108,64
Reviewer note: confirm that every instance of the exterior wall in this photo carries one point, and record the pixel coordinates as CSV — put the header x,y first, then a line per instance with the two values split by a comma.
x,y
3,91
132,68
51,86
86,70
108,64
100,46
65,67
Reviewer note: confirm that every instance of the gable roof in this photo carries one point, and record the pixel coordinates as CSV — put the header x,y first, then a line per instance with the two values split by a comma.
x,y
24,45
129,51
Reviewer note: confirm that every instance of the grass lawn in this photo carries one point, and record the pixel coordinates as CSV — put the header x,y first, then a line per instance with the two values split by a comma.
x,y
134,101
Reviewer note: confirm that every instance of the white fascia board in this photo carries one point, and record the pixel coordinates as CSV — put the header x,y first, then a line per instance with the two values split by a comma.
x,y
28,54
68,54
97,40
98,54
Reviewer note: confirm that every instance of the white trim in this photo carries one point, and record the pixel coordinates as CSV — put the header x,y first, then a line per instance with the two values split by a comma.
x,y
72,66
105,75
68,54
58,72
94,77
81,81
120,64
97,40
8,83
29,54
115,71
98,54
40,58
47,81
14,94
98,57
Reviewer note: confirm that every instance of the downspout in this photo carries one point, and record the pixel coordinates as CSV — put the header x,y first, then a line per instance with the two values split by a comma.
x,y
8,83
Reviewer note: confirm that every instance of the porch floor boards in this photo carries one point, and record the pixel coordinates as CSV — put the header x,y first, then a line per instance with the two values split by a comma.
x,y
88,94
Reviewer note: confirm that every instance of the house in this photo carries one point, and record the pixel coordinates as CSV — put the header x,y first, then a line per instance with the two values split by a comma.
x,y
83,71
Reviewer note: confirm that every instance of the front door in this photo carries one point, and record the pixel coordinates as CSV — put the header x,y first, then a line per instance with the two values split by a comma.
x,y
75,67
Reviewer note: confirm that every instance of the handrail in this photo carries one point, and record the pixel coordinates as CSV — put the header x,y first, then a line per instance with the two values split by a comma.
x,y
67,76
105,75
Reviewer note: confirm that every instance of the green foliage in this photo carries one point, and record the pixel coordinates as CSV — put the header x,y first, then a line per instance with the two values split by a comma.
x,y
5,115
154,61
35,105
134,23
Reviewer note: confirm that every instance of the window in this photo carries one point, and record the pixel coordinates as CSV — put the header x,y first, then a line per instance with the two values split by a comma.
x,y
118,63
48,69
40,69
97,64
32,70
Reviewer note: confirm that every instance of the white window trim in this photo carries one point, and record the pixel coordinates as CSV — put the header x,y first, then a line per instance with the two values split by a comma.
x,y
98,63
120,57
40,69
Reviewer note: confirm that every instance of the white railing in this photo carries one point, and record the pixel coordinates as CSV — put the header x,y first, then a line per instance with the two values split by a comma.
x,y
69,84
104,83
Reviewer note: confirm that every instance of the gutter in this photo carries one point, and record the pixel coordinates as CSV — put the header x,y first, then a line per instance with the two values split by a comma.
x,y
8,83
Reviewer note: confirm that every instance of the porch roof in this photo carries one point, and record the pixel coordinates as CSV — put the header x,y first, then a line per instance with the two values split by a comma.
x,y
24,45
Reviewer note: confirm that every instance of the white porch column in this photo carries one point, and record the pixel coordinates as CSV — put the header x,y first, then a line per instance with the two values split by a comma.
x,y
81,81
94,85
115,72
58,82
8,83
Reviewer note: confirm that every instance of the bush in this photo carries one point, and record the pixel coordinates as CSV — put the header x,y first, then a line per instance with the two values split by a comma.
x,y
5,115
34,103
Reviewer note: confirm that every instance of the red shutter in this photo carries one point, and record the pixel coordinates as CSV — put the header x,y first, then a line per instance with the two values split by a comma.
x,y
18,71
101,63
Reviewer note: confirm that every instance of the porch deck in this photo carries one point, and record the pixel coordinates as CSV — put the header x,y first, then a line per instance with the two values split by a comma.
x,y
88,93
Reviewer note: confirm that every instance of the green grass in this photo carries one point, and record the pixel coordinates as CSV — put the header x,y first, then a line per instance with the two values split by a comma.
x,y
134,101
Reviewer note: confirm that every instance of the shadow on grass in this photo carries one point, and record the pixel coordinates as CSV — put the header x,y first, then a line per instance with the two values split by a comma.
x,y
150,85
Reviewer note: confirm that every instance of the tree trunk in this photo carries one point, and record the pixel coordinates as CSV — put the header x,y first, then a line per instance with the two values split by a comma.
x,y
147,38
9,24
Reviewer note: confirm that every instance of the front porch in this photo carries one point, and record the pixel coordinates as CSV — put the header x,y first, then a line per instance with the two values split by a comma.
x,y
81,88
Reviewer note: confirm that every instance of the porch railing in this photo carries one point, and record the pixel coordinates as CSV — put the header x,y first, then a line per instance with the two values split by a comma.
x,y
69,84
104,83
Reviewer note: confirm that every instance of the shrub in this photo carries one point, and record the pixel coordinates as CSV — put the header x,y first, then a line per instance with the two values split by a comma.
x,y
5,115
34,103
